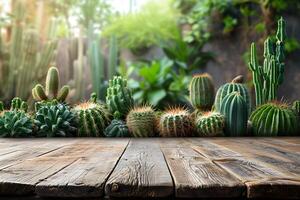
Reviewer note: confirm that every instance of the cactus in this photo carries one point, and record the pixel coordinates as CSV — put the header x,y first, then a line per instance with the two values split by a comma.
x,y
267,78
236,85
52,88
141,121
296,108
119,97
55,120
15,124
117,128
92,118
175,122
274,119
1,106
18,104
210,124
235,109
202,92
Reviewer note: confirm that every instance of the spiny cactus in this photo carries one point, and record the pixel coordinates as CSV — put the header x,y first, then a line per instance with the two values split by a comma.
x,y
119,97
39,104
55,120
267,78
92,118
18,104
235,109
202,91
15,124
51,91
175,122
236,85
141,121
274,119
117,128
210,124
296,107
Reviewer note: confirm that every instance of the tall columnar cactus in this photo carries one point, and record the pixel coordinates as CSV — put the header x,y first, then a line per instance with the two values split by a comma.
x,y
210,124
141,121
267,78
236,85
18,104
175,122
202,91
296,107
51,91
117,128
274,119
235,109
119,97
92,118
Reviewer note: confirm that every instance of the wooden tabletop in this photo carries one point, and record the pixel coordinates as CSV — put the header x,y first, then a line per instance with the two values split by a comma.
x,y
152,167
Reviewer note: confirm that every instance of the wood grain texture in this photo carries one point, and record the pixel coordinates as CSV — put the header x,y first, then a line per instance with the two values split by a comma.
x,y
141,172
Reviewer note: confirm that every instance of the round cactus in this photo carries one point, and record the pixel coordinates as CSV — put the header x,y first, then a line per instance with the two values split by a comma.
x,y
141,121
15,124
175,122
274,119
117,128
235,110
119,97
236,85
210,124
202,91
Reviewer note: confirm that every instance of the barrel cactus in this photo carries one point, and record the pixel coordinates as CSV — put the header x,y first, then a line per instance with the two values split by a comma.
x,y
117,128
274,119
18,104
119,97
141,121
210,124
15,124
236,85
202,91
175,122
55,120
92,118
51,91
235,109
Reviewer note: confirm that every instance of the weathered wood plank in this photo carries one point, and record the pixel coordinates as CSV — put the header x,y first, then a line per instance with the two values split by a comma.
x,y
85,177
141,172
197,177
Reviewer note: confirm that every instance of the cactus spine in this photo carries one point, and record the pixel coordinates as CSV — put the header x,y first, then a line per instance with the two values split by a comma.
x,y
202,92
274,119
175,122
117,128
210,124
235,110
141,121
267,78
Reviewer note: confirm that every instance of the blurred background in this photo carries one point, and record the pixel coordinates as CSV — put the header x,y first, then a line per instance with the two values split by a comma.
x,y
157,44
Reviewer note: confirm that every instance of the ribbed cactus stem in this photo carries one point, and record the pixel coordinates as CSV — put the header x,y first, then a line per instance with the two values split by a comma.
x,y
18,104
52,82
1,106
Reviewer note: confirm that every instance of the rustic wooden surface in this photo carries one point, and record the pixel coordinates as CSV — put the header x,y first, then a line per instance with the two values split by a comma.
x,y
160,167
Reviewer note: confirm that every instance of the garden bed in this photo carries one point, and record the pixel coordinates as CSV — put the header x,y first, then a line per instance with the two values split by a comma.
x,y
157,167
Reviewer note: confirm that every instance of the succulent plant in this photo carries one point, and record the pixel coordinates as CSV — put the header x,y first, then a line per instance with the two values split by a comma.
x,y
202,91
15,124
235,109
274,119
296,107
141,121
40,104
117,128
51,91
175,122
55,120
1,106
92,118
119,97
236,85
210,124
18,104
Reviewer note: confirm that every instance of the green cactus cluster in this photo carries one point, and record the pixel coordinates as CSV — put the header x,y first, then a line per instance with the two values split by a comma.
x,y
296,107
18,104
117,128
210,124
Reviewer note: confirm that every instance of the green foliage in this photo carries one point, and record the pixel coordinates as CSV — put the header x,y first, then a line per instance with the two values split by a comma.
x,y
235,109
202,91
274,119
55,121
210,124
175,122
141,121
117,128
291,45
15,124
1,106
18,104
296,107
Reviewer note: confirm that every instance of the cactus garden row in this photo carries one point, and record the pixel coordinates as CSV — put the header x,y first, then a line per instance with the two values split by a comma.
x,y
226,112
